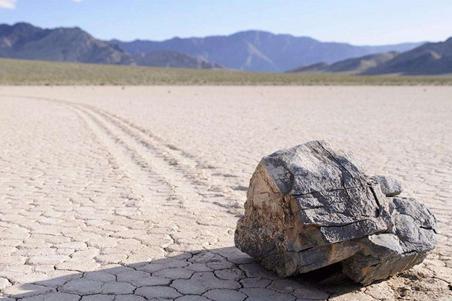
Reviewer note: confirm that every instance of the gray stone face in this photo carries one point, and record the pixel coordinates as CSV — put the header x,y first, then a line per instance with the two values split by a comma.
x,y
309,207
386,254
389,186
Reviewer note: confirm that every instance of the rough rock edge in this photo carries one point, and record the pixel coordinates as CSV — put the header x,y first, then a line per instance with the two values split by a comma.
x,y
293,221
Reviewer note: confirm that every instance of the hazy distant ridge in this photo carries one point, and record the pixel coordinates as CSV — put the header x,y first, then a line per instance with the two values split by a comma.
x,y
25,41
248,50
351,66
427,59
260,51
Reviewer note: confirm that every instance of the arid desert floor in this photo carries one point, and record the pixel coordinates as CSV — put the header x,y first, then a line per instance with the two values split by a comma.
x,y
133,193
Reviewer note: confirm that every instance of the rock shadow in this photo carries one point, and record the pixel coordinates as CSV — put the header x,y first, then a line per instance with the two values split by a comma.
x,y
216,274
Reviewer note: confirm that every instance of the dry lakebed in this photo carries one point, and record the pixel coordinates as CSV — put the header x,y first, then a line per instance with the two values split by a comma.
x,y
133,193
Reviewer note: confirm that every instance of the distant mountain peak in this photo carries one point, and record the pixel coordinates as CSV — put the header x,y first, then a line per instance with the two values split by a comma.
x,y
258,50
249,50
25,41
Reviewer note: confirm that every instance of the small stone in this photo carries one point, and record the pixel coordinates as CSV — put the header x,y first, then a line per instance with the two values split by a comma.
x,y
388,185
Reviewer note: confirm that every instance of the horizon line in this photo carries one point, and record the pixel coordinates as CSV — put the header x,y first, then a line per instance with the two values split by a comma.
x,y
223,35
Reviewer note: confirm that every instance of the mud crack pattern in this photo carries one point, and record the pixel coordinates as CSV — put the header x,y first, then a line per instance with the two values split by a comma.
x,y
133,194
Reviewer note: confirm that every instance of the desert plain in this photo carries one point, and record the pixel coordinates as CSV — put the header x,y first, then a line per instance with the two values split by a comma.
x,y
133,193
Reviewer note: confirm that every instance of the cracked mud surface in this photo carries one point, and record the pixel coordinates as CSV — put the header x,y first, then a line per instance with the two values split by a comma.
x,y
133,194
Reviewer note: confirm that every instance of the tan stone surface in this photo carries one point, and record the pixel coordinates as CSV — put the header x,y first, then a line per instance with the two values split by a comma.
x,y
110,193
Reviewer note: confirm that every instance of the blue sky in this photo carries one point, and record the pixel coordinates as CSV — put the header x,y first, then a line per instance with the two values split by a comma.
x,y
356,21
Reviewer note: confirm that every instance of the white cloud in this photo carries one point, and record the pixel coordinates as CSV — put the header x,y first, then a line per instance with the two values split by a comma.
x,y
11,4
77,1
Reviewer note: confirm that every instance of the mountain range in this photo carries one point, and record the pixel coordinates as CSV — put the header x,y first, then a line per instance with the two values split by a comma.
x,y
25,41
427,59
260,51
351,66
253,50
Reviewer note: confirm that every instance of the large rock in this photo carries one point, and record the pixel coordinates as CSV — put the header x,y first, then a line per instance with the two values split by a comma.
x,y
309,207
